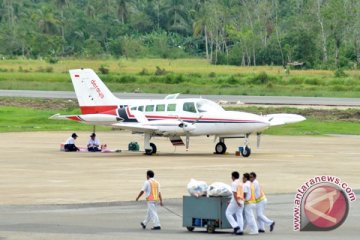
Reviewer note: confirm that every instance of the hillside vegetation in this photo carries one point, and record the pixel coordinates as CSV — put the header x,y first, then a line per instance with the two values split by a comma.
x,y
323,34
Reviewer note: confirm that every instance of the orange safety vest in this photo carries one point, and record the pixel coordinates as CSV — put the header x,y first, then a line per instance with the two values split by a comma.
x,y
240,192
154,191
252,192
262,195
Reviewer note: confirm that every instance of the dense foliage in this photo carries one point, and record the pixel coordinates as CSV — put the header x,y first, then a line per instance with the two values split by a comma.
x,y
306,33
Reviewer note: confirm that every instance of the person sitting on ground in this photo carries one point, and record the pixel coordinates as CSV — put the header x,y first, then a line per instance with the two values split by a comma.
x,y
93,144
70,144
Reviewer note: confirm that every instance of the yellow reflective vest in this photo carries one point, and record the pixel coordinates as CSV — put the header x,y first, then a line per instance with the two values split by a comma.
x,y
252,195
240,192
262,195
154,191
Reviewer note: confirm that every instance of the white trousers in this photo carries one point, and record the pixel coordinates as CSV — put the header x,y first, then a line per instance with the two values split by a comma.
x,y
152,214
261,218
234,210
250,218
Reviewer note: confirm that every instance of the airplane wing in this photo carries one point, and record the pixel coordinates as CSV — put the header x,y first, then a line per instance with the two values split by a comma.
x,y
283,118
135,127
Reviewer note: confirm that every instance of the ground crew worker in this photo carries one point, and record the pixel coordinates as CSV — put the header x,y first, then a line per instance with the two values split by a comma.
x,y
249,194
261,201
70,144
236,205
152,192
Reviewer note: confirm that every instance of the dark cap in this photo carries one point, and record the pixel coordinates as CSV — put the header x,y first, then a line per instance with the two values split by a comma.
x,y
93,135
74,135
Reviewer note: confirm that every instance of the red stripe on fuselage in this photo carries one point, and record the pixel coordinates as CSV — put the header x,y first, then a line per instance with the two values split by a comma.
x,y
111,109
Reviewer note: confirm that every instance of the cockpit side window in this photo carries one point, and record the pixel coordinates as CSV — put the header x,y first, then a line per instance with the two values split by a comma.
x,y
141,108
189,107
208,106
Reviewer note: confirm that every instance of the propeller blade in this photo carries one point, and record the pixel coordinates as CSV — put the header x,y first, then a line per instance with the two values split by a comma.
x,y
258,139
187,141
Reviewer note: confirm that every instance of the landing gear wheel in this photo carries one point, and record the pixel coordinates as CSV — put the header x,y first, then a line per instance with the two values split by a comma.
x,y
152,150
210,229
153,146
148,152
220,148
246,151
190,229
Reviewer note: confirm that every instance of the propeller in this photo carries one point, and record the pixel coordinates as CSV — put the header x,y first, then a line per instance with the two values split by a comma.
x,y
258,139
187,128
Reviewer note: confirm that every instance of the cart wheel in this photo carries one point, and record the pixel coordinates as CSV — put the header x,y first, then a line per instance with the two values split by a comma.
x,y
190,229
210,229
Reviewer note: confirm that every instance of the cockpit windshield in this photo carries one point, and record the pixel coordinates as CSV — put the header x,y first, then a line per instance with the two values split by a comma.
x,y
206,106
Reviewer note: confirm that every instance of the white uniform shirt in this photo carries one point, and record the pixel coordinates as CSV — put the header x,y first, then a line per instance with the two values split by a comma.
x,y
70,141
147,188
257,189
246,187
234,187
93,143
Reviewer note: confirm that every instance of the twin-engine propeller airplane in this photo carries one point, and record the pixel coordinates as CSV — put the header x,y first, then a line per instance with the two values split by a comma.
x,y
171,117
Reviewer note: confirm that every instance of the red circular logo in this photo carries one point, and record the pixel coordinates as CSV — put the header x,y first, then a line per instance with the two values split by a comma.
x,y
326,207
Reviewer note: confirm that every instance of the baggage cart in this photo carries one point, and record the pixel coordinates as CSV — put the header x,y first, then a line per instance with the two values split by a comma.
x,y
205,212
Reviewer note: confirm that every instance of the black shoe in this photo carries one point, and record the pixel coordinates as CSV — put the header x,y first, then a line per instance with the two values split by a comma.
x,y
239,233
261,231
142,225
272,226
156,228
236,229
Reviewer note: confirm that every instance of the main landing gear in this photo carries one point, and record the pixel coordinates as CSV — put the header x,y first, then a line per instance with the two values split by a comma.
x,y
152,150
220,147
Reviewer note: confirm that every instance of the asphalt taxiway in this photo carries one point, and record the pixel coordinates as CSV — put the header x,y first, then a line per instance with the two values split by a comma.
x,y
48,194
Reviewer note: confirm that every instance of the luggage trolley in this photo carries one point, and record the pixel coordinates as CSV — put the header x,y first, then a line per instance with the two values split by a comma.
x,y
205,212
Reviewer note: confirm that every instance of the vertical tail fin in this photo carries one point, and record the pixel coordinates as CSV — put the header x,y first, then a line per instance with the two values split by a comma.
x,y
92,94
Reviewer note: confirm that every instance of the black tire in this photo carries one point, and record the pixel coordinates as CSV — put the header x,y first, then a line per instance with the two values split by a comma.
x,y
246,152
220,148
148,152
210,229
154,149
190,229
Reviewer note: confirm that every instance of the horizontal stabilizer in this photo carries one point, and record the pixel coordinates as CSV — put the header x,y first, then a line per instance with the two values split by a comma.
x,y
283,118
89,118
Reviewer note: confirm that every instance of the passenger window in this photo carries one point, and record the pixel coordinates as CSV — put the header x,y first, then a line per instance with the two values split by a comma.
x,y
141,108
171,107
160,108
189,107
149,108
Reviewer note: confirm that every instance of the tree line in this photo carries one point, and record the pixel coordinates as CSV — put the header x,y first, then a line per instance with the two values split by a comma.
x,y
305,33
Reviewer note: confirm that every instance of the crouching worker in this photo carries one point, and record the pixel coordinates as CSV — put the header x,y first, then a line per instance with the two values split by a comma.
x,y
151,189
236,205
70,144
93,144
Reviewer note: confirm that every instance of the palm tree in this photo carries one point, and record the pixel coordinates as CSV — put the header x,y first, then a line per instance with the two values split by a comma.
x,y
47,22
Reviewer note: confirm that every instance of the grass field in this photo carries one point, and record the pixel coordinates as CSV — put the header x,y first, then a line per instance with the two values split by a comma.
x,y
194,76
22,114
